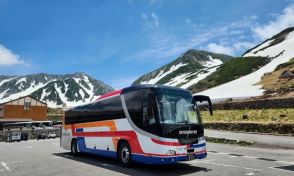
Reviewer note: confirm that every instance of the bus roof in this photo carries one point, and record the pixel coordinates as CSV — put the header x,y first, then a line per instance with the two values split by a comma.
x,y
136,87
154,86
131,88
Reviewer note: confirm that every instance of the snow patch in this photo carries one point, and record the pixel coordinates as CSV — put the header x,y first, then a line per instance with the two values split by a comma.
x,y
26,92
21,80
211,66
6,80
163,74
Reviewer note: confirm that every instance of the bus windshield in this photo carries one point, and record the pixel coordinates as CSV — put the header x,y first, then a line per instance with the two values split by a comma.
x,y
176,107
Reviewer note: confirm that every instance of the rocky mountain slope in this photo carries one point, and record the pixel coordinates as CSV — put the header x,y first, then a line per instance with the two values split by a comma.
x,y
280,82
56,90
186,70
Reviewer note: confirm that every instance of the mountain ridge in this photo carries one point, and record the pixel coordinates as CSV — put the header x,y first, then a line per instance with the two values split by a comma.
x,y
54,89
190,65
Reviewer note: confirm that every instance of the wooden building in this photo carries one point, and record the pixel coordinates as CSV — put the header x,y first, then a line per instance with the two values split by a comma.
x,y
23,109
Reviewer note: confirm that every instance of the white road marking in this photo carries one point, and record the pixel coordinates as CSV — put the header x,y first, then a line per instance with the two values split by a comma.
x,y
5,166
251,157
234,156
285,162
233,166
251,173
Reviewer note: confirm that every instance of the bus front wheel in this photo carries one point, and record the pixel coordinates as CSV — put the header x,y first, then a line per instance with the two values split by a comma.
x,y
125,154
74,148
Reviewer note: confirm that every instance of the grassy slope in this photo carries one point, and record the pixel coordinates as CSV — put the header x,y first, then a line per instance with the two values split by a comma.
x,y
256,115
229,71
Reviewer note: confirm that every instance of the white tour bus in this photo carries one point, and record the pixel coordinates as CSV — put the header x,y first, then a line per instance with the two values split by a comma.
x,y
149,124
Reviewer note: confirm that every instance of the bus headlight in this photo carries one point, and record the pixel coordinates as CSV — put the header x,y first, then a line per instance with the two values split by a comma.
x,y
202,138
171,152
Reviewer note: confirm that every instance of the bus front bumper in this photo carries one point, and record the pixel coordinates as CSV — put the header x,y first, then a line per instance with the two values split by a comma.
x,y
167,159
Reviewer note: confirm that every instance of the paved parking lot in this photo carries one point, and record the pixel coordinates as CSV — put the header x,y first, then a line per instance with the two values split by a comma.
x,y
45,157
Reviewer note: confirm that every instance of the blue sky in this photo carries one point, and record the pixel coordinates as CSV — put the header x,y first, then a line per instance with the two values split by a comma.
x,y
118,40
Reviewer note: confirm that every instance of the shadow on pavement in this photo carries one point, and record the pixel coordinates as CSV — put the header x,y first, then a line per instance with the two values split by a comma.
x,y
136,169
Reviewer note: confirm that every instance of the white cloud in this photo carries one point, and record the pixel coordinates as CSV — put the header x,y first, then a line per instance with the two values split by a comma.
x,y
217,48
281,22
144,16
243,45
8,58
156,19
230,50
151,21
187,20
161,46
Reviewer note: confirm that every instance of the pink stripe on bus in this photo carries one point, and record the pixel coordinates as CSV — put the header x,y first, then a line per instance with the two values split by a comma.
x,y
110,94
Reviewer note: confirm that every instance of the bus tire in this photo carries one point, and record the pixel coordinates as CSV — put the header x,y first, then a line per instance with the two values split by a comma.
x,y
74,148
125,154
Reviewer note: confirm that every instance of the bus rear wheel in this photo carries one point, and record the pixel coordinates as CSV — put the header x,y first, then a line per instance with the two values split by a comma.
x,y
74,148
125,154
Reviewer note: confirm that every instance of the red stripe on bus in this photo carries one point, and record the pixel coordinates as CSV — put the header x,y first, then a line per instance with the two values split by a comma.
x,y
166,143
130,136
110,94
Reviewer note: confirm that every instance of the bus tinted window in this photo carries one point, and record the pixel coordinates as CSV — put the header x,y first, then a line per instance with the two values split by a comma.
x,y
142,110
102,110
134,106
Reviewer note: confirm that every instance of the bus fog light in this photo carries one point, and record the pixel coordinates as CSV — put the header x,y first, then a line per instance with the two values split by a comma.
x,y
171,152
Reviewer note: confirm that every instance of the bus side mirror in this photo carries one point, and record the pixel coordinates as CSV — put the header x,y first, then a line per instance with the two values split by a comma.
x,y
203,98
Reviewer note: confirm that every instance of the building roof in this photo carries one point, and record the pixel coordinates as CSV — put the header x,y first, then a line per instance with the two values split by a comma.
x,y
21,98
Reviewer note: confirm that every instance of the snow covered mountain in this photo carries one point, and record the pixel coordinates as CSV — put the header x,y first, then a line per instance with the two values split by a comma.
x,y
186,70
279,48
222,76
56,90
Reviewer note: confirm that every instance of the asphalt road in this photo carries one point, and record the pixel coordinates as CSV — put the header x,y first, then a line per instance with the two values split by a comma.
x,y
45,157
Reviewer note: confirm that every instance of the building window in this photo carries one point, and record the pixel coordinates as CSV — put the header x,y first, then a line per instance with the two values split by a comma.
x,y
27,105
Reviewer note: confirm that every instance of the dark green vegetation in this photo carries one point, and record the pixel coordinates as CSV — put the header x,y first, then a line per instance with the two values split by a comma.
x,y
194,60
231,70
